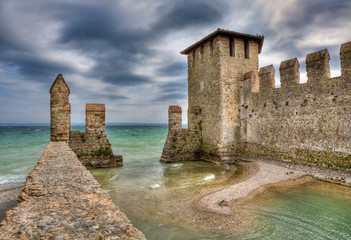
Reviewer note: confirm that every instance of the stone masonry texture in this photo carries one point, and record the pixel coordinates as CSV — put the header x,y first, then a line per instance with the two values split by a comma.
x,y
242,113
62,200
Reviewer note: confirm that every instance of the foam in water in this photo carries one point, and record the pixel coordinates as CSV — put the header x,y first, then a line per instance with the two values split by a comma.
x,y
209,177
177,165
154,186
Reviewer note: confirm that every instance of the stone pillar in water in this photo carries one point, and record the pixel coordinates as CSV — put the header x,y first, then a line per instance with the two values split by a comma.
x,y
60,110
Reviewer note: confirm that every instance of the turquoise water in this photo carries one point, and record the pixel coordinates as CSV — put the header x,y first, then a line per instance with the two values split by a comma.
x,y
149,191
20,149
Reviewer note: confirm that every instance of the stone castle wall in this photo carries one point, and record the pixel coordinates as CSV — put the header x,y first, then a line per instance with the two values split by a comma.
x,y
308,122
242,113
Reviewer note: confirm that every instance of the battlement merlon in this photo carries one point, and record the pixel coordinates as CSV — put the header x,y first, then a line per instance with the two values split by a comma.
x,y
289,73
250,84
345,62
174,118
95,118
317,67
267,79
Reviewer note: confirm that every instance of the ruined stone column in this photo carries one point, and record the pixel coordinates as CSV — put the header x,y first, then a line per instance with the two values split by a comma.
x,y
60,110
174,118
95,118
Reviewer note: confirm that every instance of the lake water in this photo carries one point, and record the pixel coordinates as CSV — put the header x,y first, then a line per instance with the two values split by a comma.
x,y
145,189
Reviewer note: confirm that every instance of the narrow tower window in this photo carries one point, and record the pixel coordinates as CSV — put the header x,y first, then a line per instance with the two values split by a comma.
x,y
194,58
211,48
231,47
247,50
202,53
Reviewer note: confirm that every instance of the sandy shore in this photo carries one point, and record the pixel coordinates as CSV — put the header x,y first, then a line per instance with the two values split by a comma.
x,y
8,197
222,209
268,174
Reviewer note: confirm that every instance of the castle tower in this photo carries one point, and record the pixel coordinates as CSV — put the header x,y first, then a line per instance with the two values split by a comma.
x,y
60,110
216,64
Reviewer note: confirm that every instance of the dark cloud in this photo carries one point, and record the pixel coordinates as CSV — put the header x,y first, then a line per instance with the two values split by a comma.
x,y
169,97
180,85
89,26
109,96
182,14
126,79
34,67
173,69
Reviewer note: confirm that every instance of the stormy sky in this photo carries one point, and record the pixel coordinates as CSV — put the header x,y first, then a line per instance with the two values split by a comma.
x,y
125,53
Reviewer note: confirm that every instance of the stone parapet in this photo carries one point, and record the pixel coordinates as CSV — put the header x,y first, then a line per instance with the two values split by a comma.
x,y
62,200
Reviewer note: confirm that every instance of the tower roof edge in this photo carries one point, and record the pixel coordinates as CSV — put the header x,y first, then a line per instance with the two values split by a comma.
x,y
59,78
223,32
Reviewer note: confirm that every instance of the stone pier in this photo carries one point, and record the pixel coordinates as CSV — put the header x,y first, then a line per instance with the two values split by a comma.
x,y
62,200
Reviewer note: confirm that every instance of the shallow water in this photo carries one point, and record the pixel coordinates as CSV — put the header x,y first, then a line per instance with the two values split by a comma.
x,y
316,210
144,188
20,149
